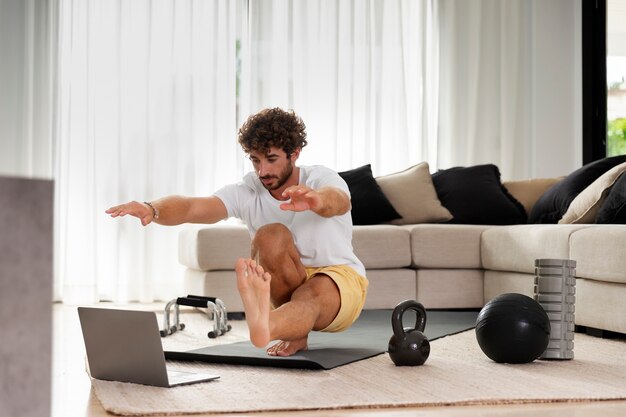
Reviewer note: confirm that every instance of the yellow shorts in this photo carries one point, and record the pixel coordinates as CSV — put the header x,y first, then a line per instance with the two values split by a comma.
x,y
352,289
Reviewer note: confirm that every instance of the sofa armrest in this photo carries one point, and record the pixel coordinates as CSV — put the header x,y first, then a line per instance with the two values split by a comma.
x,y
214,247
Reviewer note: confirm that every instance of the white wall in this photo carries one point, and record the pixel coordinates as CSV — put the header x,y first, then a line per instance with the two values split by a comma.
x,y
556,113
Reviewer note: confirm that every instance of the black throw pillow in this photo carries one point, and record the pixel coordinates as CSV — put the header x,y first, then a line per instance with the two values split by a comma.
x,y
553,204
475,195
613,210
369,204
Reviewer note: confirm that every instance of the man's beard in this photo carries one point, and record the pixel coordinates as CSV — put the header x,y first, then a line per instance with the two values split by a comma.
x,y
280,180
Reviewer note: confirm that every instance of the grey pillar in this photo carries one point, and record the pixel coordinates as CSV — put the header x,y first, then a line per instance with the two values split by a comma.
x,y
26,277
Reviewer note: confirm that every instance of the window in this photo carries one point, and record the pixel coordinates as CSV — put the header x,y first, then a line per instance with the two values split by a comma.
x,y
616,77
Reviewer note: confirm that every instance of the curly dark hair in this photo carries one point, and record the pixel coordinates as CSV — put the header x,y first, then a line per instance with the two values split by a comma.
x,y
273,128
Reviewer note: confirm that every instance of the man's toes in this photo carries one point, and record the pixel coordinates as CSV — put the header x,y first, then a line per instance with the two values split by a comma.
x,y
286,348
272,350
284,352
241,266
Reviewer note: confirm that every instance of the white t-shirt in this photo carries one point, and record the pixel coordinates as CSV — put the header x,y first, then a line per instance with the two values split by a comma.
x,y
321,241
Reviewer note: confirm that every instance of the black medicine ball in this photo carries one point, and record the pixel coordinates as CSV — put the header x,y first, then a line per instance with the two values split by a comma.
x,y
513,328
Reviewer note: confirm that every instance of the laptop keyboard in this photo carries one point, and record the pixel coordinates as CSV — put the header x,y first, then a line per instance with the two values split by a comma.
x,y
177,377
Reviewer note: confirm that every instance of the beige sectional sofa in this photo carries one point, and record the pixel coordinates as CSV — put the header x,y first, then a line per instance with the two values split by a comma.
x,y
443,265
446,265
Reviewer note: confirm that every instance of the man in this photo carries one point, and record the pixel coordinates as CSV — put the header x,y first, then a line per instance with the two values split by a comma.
x,y
302,274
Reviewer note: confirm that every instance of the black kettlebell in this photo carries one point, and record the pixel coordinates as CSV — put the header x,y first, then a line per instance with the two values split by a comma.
x,y
407,346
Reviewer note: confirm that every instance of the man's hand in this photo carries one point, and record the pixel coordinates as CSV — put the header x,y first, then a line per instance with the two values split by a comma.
x,y
135,209
326,201
301,199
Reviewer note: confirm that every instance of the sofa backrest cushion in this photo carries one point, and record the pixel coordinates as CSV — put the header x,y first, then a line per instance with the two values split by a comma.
x,y
528,191
369,203
613,210
552,205
475,195
413,195
585,207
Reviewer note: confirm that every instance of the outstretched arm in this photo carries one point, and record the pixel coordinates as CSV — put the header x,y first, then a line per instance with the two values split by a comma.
x,y
174,210
326,201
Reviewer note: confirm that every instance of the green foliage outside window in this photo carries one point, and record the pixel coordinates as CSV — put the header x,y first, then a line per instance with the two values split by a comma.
x,y
616,137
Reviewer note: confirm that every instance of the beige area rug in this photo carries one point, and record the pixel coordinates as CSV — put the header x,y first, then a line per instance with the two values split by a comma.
x,y
456,373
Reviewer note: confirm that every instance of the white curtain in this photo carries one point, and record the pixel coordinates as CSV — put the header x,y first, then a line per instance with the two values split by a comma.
x,y
150,101
362,75
485,85
146,109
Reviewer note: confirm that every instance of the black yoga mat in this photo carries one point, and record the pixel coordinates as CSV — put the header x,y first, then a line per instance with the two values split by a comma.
x,y
368,337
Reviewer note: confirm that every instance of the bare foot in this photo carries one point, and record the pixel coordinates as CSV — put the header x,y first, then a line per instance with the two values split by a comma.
x,y
288,347
254,288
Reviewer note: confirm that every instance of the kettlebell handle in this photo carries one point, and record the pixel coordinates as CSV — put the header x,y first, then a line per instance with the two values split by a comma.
x,y
398,312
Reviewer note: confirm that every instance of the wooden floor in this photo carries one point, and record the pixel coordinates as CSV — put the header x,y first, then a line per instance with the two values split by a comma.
x,y
72,394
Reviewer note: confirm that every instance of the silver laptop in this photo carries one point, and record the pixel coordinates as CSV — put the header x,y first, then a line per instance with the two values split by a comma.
x,y
125,346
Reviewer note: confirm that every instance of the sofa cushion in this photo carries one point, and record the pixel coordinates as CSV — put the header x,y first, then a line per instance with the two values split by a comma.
x,y
584,208
221,284
475,195
446,245
369,203
527,192
217,247
515,248
613,210
450,288
413,195
499,282
389,287
599,253
601,305
382,246
555,202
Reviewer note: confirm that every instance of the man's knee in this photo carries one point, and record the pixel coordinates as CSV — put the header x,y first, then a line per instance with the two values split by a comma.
x,y
274,235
